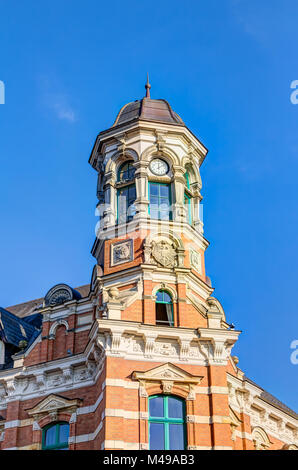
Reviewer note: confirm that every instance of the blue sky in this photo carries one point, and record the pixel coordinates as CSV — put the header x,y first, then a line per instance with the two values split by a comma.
x,y
226,67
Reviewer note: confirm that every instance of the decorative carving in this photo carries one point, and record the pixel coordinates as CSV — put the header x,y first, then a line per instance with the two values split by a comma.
x,y
121,252
142,390
192,394
195,260
190,419
184,349
149,346
167,386
165,349
51,406
59,294
167,375
164,253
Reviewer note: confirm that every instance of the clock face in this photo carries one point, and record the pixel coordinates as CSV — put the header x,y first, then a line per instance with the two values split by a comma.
x,y
159,167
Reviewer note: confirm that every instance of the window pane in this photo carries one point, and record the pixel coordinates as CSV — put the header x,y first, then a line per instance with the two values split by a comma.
x,y
156,436
153,214
132,191
154,189
156,407
176,436
167,297
164,215
164,205
164,191
153,203
51,436
175,408
63,433
159,296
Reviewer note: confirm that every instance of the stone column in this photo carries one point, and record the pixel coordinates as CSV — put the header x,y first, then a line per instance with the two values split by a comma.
x,y
141,180
197,197
179,210
109,213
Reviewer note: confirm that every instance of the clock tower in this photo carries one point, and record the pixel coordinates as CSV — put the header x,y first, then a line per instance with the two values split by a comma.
x,y
164,335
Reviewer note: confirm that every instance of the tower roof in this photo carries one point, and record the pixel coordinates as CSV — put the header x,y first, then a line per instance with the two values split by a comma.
x,y
148,110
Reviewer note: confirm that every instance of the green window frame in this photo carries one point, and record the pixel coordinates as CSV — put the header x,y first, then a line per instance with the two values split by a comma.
x,y
186,176
126,197
160,201
163,297
187,204
56,442
167,425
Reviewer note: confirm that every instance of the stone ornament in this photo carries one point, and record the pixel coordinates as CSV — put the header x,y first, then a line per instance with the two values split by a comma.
x,y
121,252
164,253
195,260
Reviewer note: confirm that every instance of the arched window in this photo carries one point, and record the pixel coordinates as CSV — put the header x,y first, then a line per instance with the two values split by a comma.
x,y
126,171
164,308
166,423
55,436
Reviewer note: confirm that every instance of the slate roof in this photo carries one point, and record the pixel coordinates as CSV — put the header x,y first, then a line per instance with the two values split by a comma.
x,y
14,329
272,400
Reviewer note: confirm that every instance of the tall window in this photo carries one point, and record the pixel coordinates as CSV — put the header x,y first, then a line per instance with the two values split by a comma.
x,y
126,197
166,423
55,436
160,201
164,308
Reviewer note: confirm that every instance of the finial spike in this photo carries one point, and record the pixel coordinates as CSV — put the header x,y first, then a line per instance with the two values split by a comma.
x,y
147,86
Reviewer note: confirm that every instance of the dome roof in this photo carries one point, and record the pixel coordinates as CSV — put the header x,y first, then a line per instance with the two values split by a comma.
x,y
147,109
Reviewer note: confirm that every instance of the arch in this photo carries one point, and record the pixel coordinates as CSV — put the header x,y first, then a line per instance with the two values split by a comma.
x,y
52,332
165,287
289,447
167,153
120,157
260,439
193,170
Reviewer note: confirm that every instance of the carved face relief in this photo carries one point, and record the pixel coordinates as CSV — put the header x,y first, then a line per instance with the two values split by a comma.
x,y
164,253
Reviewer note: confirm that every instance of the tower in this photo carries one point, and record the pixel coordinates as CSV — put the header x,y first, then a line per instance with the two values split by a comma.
x,y
164,336
140,358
